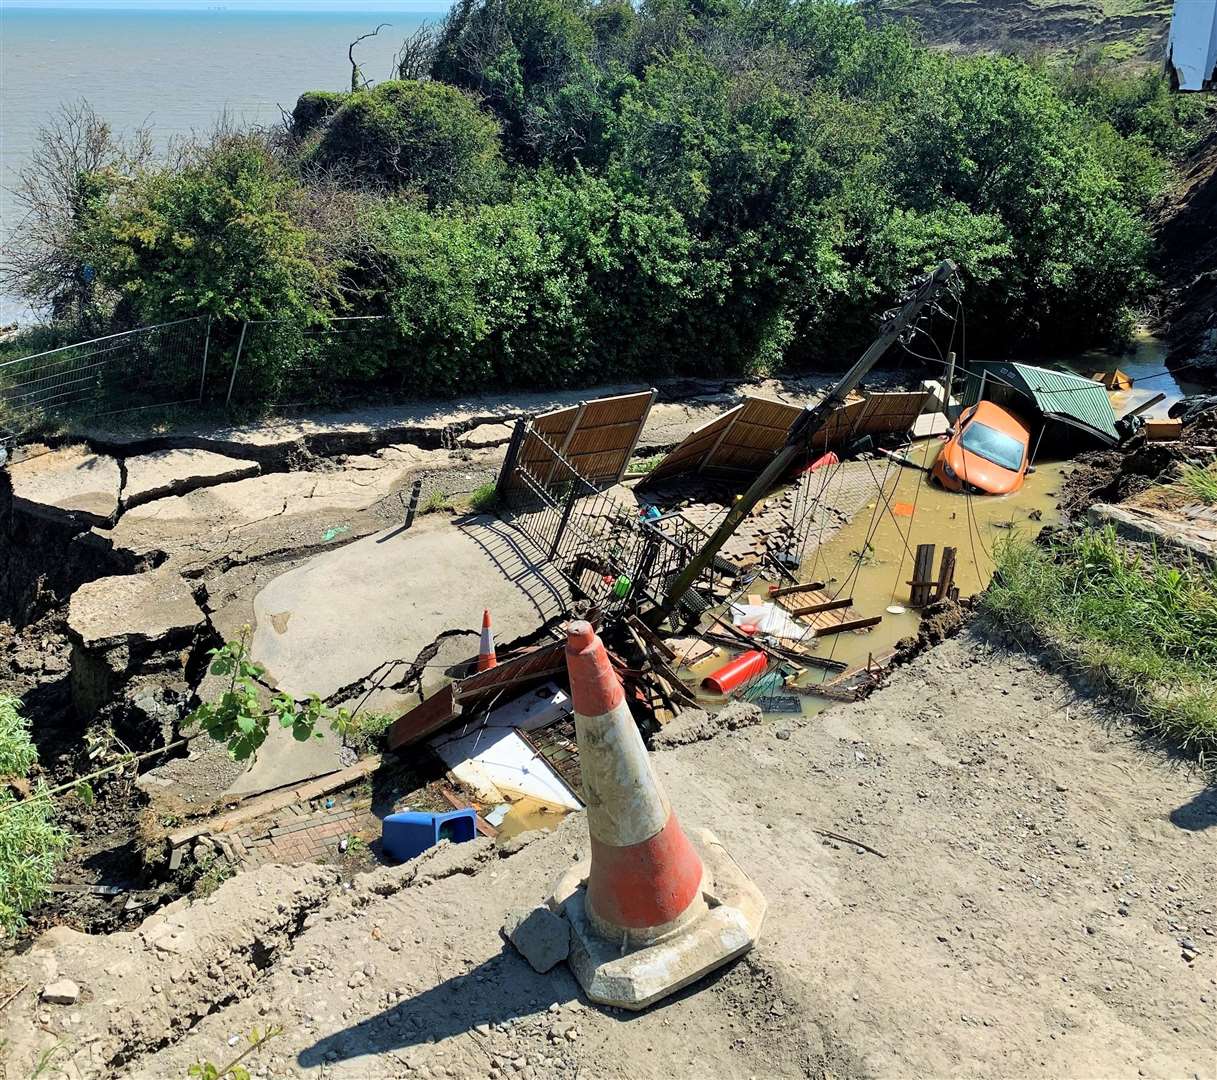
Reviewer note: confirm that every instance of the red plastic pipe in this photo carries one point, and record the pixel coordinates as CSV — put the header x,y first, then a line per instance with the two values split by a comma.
x,y
729,676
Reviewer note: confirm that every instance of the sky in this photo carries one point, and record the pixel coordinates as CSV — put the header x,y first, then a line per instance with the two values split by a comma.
x,y
232,5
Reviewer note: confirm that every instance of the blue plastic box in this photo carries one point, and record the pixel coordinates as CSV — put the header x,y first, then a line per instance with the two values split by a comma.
x,y
408,834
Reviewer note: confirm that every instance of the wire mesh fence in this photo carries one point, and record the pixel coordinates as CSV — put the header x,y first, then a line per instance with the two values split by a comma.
x,y
281,363
604,546
150,366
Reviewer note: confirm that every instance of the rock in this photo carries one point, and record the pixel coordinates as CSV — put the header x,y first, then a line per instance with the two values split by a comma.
x,y
694,725
486,435
175,472
70,483
133,609
61,992
542,937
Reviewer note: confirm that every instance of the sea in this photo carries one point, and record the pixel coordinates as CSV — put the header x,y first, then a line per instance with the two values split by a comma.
x,y
174,72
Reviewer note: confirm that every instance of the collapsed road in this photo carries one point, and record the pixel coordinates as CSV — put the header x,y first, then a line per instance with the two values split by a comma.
x,y
361,577
1039,870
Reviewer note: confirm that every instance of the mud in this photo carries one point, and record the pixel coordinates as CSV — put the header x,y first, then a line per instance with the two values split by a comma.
x,y
1040,901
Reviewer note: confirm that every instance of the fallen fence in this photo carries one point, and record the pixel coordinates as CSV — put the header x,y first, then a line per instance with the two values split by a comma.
x,y
602,542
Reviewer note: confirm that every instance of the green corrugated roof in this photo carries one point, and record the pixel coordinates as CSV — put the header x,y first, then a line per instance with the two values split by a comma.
x,y
1060,395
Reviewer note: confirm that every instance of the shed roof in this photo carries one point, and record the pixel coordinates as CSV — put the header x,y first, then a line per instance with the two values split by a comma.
x,y
1060,395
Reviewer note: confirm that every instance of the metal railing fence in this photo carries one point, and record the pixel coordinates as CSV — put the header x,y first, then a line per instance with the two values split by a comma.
x,y
151,366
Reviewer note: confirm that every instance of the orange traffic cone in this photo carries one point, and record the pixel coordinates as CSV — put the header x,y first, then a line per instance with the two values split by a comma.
x,y
654,909
644,874
486,657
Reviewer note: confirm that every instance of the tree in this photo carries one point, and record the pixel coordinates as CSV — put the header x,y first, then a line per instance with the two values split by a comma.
x,y
44,259
415,136
31,844
218,234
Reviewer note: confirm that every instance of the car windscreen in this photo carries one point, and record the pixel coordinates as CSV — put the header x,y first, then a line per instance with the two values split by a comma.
x,y
993,445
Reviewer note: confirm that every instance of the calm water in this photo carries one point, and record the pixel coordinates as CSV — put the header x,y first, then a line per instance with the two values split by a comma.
x,y
173,71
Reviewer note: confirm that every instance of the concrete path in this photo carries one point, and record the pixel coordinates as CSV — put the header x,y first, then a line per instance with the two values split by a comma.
x,y
347,613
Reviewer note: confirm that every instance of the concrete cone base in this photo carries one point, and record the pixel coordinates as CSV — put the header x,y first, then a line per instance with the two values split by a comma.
x,y
637,977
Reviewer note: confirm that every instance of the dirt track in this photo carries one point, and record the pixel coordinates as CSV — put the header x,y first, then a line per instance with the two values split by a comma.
x,y
1043,870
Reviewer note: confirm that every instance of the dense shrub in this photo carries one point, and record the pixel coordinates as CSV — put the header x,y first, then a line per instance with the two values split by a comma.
x,y
592,189
313,109
417,136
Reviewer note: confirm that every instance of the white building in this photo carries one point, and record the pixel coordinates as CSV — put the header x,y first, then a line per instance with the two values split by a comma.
x,y
1192,52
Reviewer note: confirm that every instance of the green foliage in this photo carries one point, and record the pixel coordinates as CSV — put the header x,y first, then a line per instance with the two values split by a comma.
x,y
313,109
415,136
213,873
363,731
31,844
240,720
588,190
484,497
1201,482
221,235
1141,627
234,1070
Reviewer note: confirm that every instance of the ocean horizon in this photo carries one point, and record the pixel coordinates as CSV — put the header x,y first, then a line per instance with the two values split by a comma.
x,y
174,71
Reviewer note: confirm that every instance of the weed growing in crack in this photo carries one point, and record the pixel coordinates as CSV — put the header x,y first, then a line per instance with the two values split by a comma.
x,y
240,720
484,497
234,1070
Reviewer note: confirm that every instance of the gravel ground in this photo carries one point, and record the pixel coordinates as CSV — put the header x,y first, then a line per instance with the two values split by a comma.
x,y
1045,907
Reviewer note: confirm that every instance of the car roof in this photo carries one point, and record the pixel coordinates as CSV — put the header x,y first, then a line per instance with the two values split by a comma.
x,y
1008,423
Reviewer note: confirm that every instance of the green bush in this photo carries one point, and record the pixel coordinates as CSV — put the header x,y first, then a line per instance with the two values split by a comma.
x,y
219,235
313,109
31,844
415,136
1140,627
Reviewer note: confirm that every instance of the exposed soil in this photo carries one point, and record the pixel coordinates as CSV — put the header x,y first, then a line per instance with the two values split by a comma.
x,y
1043,907
1140,27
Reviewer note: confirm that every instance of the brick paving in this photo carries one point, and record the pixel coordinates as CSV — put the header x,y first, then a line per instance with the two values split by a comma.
x,y
305,832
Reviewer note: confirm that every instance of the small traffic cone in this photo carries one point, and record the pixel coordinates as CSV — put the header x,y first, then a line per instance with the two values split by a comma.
x,y
654,909
486,657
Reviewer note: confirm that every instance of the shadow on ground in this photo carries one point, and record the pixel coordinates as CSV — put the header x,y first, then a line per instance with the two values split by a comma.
x,y
1198,813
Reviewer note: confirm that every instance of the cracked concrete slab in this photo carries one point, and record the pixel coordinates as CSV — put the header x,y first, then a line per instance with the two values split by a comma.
x,y
69,483
335,620
176,472
149,609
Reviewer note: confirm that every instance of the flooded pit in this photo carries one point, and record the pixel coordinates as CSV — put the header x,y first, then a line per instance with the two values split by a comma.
x,y
871,558
1144,363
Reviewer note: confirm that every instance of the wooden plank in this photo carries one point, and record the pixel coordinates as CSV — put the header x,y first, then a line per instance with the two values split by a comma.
x,y
827,605
946,575
789,590
923,576
842,627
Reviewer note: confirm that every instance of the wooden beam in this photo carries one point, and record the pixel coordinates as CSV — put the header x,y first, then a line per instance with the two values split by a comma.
x,y
841,628
790,590
828,605
923,576
946,575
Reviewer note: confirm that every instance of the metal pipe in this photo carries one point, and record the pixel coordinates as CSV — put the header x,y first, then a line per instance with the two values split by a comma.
x,y
233,377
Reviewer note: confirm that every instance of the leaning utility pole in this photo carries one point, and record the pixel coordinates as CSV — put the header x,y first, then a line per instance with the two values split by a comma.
x,y
894,324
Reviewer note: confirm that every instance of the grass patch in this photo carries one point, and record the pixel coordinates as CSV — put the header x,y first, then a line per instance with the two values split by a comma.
x,y
484,497
438,500
1140,628
1201,482
364,732
645,465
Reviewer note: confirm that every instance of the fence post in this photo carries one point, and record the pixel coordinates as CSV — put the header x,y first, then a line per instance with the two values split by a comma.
x,y
571,499
206,347
509,462
233,378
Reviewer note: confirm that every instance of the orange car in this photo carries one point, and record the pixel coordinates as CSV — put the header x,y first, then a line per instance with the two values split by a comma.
x,y
986,453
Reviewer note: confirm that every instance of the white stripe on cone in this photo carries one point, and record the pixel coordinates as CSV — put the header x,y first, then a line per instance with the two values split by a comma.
x,y
625,803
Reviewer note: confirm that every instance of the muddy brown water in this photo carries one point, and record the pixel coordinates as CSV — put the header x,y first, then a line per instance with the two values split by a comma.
x,y
871,559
